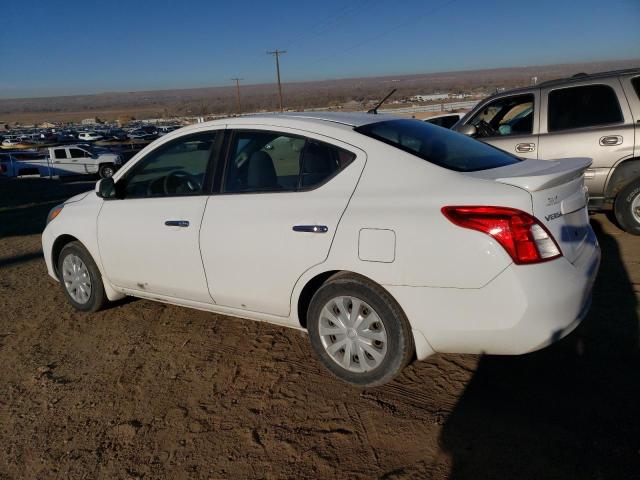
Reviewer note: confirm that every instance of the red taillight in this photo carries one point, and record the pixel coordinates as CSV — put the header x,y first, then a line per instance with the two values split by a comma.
x,y
523,237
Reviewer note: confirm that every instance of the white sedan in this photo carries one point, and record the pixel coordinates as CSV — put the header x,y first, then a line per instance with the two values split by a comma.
x,y
386,239
89,136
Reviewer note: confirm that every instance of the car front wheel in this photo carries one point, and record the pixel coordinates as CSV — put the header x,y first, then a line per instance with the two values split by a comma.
x,y
358,331
627,208
80,278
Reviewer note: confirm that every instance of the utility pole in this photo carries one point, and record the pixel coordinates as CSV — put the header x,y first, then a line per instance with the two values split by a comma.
x,y
237,80
277,54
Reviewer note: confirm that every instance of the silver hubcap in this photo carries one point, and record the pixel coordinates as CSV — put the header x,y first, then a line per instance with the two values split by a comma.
x,y
635,208
352,334
76,278
107,172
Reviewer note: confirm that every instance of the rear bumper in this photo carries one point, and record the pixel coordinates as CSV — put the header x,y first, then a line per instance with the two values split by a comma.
x,y
524,308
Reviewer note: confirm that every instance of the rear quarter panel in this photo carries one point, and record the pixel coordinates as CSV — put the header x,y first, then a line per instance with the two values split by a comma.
x,y
405,194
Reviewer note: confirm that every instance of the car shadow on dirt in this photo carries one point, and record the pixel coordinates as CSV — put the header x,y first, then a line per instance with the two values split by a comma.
x,y
569,411
25,202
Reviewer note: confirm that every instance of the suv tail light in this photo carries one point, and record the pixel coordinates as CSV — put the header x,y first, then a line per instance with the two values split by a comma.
x,y
524,238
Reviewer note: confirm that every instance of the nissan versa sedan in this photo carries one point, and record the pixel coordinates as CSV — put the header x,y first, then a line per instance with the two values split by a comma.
x,y
386,239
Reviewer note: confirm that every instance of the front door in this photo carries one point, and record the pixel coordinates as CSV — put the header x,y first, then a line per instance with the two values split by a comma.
x,y
510,123
281,199
148,235
81,161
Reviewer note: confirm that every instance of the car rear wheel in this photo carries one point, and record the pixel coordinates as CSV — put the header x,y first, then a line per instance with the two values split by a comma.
x,y
106,171
358,331
80,278
627,208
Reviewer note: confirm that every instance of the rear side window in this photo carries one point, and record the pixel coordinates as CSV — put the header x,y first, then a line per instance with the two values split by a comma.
x,y
585,106
59,153
445,148
636,84
273,161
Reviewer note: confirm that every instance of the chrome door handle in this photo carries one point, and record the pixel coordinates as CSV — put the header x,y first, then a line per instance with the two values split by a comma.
x,y
525,147
311,228
610,140
176,223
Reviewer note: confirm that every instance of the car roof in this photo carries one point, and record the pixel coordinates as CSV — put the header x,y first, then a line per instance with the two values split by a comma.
x,y
350,119
578,77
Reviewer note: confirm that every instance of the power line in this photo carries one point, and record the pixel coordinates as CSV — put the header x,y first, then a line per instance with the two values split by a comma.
x,y
330,22
387,31
237,80
277,54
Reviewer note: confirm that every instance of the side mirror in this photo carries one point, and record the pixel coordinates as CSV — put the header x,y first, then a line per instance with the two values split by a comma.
x,y
106,188
467,129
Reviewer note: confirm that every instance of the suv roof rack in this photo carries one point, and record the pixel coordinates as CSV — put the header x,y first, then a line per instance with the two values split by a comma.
x,y
586,76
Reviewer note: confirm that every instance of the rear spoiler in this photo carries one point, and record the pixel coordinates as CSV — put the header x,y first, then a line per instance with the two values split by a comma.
x,y
534,175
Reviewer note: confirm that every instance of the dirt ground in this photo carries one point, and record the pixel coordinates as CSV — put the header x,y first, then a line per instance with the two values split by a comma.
x,y
145,390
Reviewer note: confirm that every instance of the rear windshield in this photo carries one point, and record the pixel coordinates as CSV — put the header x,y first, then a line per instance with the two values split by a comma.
x,y
444,148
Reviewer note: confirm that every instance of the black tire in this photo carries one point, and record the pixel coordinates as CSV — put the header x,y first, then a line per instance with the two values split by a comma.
x,y
399,344
97,299
623,208
106,170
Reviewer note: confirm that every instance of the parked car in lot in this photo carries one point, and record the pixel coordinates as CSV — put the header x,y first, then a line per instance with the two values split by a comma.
x,y
65,137
595,116
115,134
386,239
446,120
61,161
164,129
140,134
11,141
89,136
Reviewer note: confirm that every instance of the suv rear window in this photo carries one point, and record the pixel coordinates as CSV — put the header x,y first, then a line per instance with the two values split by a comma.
x,y
585,106
444,148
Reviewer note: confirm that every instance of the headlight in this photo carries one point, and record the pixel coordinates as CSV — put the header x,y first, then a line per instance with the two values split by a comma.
x,y
54,212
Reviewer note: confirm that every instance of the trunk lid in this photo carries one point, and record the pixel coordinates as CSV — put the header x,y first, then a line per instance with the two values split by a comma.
x,y
558,197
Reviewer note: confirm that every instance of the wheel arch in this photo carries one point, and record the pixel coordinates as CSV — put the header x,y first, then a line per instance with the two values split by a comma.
x,y
307,292
57,247
422,346
622,175
64,239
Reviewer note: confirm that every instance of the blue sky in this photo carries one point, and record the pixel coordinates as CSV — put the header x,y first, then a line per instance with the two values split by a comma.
x,y
82,46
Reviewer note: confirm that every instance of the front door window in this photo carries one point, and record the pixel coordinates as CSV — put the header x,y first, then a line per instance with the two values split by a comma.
x,y
505,116
176,168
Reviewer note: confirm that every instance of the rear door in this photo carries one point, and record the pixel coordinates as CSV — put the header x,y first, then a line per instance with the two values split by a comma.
x,y
510,123
631,85
281,198
587,120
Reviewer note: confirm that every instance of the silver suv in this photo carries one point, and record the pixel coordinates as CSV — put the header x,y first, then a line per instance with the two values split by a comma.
x,y
595,116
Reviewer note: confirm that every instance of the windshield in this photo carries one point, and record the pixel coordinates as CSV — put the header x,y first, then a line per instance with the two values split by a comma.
x,y
442,147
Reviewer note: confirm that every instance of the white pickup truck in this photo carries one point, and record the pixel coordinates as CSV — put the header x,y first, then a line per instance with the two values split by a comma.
x,y
60,161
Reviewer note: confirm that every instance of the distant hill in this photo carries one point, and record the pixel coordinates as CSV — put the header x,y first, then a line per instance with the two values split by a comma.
x,y
297,95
